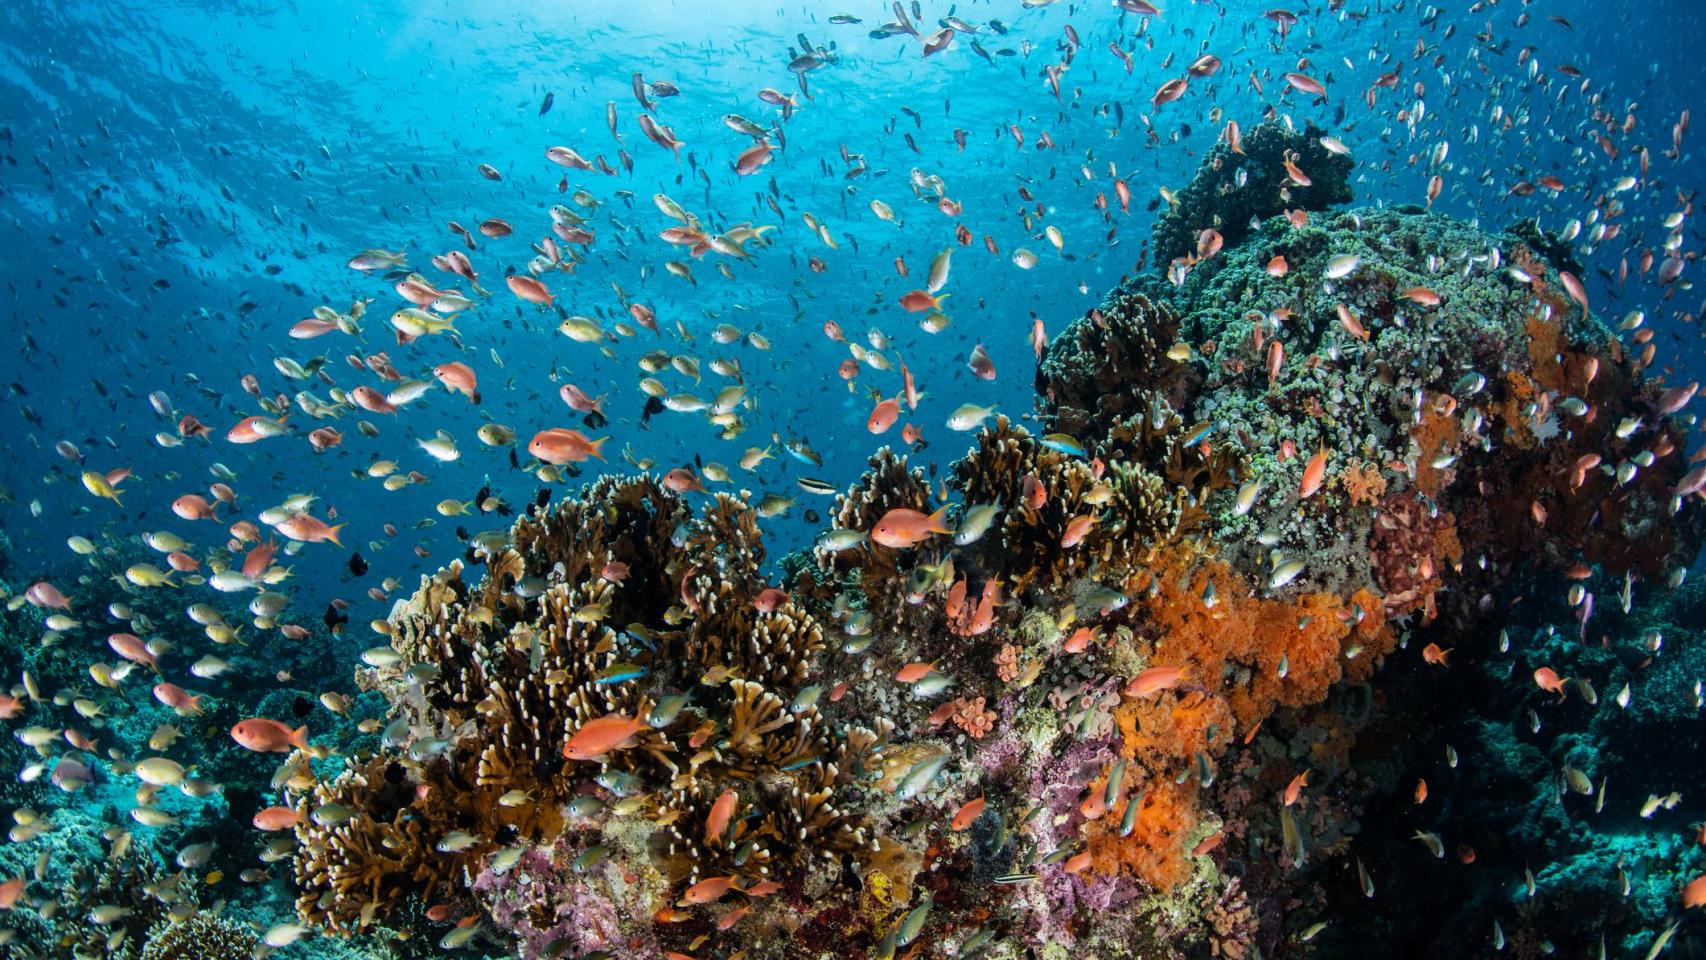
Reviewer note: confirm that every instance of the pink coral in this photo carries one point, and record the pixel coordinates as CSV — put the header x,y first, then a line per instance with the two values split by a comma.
x,y
970,716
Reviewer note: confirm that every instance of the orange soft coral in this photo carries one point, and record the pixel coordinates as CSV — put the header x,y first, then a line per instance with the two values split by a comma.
x,y
1233,651
1434,436
1519,393
1163,731
1363,482
1155,849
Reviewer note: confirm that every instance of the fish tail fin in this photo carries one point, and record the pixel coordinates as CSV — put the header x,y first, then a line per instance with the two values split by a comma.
x,y
299,737
332,534
596,447
938,521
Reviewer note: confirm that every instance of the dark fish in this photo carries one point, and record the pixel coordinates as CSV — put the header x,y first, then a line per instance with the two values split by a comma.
x,y
357,565
545,106
334,620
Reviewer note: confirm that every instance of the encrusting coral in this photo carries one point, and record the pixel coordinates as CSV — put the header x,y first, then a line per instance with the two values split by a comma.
x,y
1257,181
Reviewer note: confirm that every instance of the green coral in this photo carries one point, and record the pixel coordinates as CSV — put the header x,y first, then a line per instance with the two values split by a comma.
x,y
1230,190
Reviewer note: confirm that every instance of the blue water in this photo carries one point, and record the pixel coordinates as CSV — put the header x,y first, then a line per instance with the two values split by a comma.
x,y
184,181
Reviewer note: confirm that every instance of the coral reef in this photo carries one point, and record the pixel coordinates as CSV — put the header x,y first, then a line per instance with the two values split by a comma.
x,y
1141,683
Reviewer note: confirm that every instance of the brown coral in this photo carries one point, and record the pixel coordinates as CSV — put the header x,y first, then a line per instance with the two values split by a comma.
x,y
496,676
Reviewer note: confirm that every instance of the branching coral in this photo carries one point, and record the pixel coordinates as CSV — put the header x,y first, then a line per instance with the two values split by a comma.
x,y
1111,364
202,936
493,678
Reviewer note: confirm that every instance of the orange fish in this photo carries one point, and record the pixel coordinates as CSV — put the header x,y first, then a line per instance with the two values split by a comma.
x,y
180,700
1349,321
275,818
371,400
1547,679
981,364
254,429
984,616
529,289
681,480
901,528
257,560
884,415
967,814
131,647
914,672
919,301
269,736
182,562
956,602
1080,640
307,529
1169,91
1574,288
709,891
1422,295
1076,530
769,599
1314,473
1693,894
753,157
1154,681
1277,267
1421,791
731,918
324,438
1294,789
578,401
722,811
601,735
458,377
1033,492
558,446
11,891
1306,84
1434,655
